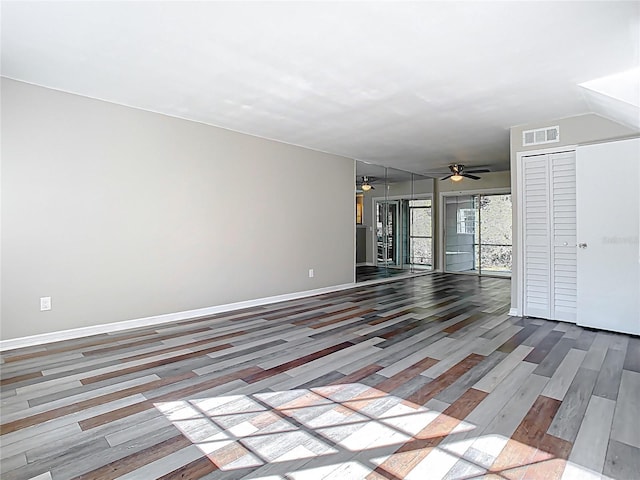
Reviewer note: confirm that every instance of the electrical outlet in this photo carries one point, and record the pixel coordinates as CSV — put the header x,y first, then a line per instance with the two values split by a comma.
x,y
311,273
45,303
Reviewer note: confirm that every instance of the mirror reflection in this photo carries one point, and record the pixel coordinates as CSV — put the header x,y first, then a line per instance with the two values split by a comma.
x,y
394,223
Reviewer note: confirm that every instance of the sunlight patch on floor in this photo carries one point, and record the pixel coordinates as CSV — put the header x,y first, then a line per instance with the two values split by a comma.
x,y
347,431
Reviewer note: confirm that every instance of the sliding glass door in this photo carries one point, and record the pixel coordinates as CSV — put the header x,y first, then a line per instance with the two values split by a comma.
x,y
478,234
387,228
403,234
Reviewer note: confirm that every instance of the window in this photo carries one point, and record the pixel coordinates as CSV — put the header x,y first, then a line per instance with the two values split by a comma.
x,y
466,221
420,235
478,234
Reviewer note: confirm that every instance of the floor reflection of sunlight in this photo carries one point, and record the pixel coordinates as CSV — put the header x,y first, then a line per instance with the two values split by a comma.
x,y
347,431
241,431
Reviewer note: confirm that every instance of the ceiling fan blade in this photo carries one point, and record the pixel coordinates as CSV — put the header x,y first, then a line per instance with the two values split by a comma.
x,y
448,176
480,170
473,177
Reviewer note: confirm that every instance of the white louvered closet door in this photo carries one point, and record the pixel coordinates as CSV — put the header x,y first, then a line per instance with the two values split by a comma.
x,y
564,240
549,208
537,237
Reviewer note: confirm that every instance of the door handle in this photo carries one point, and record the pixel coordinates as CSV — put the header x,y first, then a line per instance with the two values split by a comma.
x,y
582,245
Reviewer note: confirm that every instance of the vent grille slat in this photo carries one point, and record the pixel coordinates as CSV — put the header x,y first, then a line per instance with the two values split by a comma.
x,y
541,136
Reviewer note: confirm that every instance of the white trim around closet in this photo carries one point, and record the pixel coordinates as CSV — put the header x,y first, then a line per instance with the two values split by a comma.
x,y
518,225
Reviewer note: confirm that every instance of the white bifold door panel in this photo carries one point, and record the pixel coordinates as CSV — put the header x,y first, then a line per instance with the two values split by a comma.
x,y
563,245
549,227
608,213
537,251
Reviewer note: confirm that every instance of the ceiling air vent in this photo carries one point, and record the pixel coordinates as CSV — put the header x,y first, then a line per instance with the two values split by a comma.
x,y
541,135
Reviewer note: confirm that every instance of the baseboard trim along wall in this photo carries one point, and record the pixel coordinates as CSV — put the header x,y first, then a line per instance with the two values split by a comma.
x,y
513,312
159,319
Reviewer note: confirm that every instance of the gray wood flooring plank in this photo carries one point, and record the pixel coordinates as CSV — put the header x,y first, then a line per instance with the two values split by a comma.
x,y
45,437
335,359
623,461
165,465
491,344
37,430
489,408
239,356
585,339
494,327
536,337
9,408
65,401
632,358
565,373
548,366
574,332
460,352
595,357
562,327
326,364
626,420
77,388
69,457
510,416
40,363
13,462
468,379
590,447
568,418
619,341
496,375
608,381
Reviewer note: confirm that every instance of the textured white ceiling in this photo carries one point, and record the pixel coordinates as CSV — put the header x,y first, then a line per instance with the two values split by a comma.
x,y
415,86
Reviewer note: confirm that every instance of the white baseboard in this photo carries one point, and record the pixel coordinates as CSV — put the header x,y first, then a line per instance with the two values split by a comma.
x,y
159,319
513,312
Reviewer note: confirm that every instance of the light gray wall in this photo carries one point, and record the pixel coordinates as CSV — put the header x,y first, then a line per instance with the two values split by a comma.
x,y
578,130
119,214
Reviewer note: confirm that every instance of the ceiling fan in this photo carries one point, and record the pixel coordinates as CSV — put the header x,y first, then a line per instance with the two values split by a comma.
x,y
365,185
458,172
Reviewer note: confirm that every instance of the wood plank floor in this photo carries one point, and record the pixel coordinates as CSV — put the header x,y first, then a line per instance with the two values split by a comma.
x,y
366,273
419,378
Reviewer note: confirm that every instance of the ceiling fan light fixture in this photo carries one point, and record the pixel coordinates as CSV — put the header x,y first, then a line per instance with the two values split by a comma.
x,y
456,177
366,186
